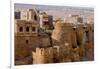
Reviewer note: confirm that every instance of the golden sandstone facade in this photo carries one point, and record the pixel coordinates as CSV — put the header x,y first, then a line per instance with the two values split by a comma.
x,y
68,42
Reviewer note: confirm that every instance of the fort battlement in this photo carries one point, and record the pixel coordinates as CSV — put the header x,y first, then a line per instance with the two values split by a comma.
x,y
43,55
51,54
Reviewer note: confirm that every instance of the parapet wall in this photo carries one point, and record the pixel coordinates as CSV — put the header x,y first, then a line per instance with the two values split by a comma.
x,y
43,55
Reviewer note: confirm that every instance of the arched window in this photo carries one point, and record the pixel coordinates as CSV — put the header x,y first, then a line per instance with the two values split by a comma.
x,y
87,36
35,17
74,29
33,29
27,29
21,29
92,30
27,42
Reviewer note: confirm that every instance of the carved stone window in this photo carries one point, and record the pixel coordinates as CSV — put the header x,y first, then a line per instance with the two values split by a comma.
x,y
35,17
27,29
33,29
87,35
20,29
27,41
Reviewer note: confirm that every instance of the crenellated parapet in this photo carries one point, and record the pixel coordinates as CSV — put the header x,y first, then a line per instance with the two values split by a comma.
x,y
43,55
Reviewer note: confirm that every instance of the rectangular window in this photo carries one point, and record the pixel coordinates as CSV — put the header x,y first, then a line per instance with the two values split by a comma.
x,y
27,29
33,29
27,41
20,29
17,15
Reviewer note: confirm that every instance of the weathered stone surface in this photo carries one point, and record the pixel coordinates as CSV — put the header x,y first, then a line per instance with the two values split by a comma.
x,y
69,45
43,55
62,33
89,51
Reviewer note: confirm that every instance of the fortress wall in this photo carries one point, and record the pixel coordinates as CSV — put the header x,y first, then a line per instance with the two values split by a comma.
x,y
69,44
89,51
38,56
21,49
75,37
57,54
75,54
65,33
25,44
43,55
62,33
89,46
65,53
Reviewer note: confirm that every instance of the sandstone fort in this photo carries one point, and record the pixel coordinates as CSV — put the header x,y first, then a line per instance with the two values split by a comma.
x,y
42,38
